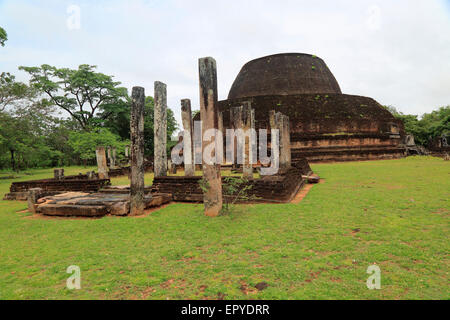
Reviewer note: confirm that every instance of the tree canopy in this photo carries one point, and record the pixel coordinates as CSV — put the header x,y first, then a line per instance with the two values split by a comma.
x,y
430,125
13,93
3,37
32,135
83,93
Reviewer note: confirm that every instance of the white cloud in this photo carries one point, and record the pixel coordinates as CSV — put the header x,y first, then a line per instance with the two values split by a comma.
x,y
394,51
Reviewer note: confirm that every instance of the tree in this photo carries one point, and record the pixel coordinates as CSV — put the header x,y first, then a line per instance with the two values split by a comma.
x,y
22,137
85,143
431,125
13,93
3,37
172,126
82,93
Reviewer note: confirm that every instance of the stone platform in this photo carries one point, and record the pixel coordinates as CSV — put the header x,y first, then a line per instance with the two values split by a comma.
x,y
79,204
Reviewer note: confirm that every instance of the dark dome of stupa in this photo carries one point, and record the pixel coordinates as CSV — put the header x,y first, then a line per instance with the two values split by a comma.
x,y
284,74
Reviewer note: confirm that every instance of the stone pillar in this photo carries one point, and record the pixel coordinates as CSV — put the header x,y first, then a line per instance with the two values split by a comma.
x,y
91,175
109,160
33,196
236,124
137,205
114,157
248,125
188,150
160,130
58,174
221,130
281,122
212,196
101,163
173,168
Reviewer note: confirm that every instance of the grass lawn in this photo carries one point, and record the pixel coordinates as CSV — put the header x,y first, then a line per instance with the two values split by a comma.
x,y
392,213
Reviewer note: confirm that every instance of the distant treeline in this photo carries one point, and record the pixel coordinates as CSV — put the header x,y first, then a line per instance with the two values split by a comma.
x,y
429,126
35,130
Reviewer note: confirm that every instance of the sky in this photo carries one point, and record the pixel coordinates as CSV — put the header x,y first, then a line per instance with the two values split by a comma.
x,y
397,52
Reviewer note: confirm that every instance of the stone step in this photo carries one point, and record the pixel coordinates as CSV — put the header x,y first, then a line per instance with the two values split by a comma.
x,y
61,210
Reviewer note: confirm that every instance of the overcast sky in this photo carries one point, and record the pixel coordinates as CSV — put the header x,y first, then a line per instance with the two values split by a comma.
x,y
397,52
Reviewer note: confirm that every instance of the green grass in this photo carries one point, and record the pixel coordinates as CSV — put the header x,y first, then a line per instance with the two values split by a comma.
x,y
392,213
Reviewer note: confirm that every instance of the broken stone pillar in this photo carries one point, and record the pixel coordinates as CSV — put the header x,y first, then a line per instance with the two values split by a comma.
x,y
212,195
91,175
137,204
58,174
101,163
33,196
188,149
173,168
280,122
160,130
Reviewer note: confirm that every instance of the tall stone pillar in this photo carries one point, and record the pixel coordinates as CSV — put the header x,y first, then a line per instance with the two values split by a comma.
x,y
236,124
212,195
137,205
188,150
280,122
101,163
160,130
221,130
248,126
114,157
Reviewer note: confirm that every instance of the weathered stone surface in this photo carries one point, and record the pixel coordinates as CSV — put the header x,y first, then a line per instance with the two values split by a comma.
x,y
188,146
137,151
61,210
58,174
173,168
248,125
274,189
17,196
160,130
33,197
120,209
221,132
313,178
236,124
280,122
101,163
113,157
208,110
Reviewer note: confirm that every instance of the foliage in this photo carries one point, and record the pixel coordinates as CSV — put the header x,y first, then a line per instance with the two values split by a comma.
x,y
85,143
149,114
23,132
431,125
14,93
82,92
3,37
235,189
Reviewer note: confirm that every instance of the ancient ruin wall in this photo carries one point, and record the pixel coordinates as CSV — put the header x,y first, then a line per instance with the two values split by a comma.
x,y
311,114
